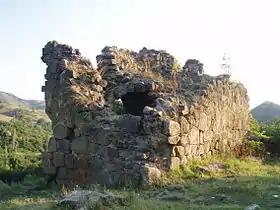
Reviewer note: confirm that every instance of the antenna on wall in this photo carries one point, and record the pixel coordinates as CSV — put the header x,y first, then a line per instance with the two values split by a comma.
x,y
225,65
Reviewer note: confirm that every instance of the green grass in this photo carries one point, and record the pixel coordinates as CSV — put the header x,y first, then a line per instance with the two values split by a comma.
x,y
240,183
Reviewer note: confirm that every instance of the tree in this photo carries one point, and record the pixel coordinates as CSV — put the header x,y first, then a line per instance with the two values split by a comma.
x,y
14,141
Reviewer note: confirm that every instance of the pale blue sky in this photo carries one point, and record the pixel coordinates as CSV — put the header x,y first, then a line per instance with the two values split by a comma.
x,y
248,31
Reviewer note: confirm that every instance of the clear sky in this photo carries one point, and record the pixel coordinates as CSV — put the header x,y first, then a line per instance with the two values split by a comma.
x,y
248,31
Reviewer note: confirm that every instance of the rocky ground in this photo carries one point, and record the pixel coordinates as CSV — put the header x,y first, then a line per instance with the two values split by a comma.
x,y
211,184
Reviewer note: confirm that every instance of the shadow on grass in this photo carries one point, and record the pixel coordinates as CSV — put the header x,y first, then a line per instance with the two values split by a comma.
x,y
273,161
18,196
222,193
211,193
22,205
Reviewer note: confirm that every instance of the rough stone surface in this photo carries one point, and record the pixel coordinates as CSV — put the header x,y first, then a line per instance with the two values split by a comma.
x,y
86,199
136,116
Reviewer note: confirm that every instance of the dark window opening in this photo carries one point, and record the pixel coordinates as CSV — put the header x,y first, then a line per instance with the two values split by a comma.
x,y
135,102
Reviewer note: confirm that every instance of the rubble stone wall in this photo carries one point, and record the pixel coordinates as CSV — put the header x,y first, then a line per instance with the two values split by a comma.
x,y
128,122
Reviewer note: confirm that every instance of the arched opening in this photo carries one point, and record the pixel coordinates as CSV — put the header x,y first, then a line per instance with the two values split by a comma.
x,y
134,102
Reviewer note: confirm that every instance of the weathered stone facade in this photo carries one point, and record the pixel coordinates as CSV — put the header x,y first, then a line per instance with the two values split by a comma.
x,y
135,116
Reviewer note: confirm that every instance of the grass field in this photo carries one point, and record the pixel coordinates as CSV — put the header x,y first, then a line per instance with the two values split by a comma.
x,y
236,185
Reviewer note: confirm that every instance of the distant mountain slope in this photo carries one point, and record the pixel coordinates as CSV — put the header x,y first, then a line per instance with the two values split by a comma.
x,y
12,106
266,111
13,100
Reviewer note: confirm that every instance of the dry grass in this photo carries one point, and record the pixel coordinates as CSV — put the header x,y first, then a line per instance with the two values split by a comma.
x,y
4,118
80,92
145,69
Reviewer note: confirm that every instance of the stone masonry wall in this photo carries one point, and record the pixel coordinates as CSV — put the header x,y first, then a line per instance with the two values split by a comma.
x,y
130,121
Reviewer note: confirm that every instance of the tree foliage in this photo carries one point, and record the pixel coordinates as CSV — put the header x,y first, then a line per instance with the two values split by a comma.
x,y
265,135
23,134
255,128
176,67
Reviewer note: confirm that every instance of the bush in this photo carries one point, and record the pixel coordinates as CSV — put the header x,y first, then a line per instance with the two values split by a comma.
x,y
264,138
20,161
254,148
117,107
254,145
176,67
16,166
272,130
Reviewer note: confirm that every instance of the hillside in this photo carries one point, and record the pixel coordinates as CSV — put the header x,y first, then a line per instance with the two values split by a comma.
x,y
266,111
13,106
11,99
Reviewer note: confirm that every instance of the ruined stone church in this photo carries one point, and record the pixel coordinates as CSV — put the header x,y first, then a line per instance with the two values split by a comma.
x,y
136,116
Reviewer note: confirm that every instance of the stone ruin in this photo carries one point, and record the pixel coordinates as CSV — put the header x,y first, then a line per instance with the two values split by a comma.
x,y
136,116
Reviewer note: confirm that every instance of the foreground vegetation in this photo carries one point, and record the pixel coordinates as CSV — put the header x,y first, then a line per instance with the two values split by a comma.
x,y
236,184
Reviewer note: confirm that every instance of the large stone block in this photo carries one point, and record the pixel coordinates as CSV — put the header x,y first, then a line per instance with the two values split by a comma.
x,y
64,173
60,131
63,145
130,124
194,135
171,128
80,145
52,145
185,126
81,161
58,159
47,164
69,160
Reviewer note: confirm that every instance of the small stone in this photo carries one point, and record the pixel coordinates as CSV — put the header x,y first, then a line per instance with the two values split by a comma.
x,y
184,160
175,163
184,110
149,174
64,63
180,151
252,207
173,139
184,139
82,199
148,110
185,126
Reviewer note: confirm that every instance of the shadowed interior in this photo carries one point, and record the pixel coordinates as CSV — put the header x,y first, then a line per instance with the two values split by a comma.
x,y
134,102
